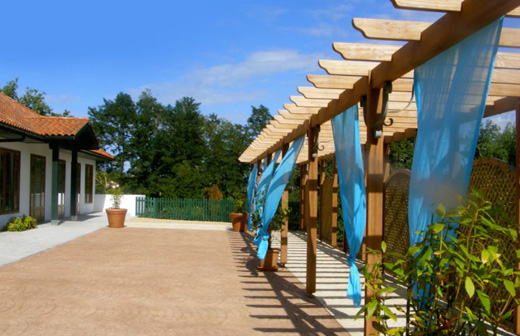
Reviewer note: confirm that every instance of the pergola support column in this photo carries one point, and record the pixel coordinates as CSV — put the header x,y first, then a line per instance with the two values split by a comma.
x,y
285,225
375,182
321,195
73,185
311,219
303,182
54,184
334,223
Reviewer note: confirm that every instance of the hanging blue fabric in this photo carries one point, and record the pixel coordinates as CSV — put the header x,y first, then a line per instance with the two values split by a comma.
x,y
451,91
351,174
251,184
275,191
261,194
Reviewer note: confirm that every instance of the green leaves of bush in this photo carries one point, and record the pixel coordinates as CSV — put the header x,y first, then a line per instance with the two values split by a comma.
x,y
464,252
21,224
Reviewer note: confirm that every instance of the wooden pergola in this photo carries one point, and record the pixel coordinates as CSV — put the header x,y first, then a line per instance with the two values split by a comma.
x,y
373,75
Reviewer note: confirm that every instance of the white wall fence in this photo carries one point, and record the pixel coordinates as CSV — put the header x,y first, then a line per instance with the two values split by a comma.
x,y
104,201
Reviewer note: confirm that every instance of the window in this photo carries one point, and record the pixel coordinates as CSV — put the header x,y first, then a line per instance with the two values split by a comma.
x,y
89,176
9,181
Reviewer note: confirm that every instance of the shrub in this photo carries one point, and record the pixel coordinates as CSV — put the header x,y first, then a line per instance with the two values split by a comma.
x,y
451,275
21,224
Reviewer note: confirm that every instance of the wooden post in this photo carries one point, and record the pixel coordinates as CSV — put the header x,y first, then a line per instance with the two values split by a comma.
x,y
303,183
311,219
285,225
269,158
322,164
334,224
375,175
517,179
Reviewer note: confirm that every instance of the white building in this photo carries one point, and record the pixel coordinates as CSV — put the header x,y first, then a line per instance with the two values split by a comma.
x,y
47,164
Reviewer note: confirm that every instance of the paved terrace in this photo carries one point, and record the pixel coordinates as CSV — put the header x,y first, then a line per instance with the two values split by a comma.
x,y
138,281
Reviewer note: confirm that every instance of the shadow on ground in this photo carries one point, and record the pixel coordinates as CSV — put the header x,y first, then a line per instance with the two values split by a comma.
x,y
276,297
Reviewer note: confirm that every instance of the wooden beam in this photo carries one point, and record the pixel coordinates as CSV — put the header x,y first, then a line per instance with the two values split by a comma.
x,y
304,102
390,29
333,82
500,106
303,183
398,30
298,116
507,60
312,214
365,52
438,6
347,68
375,185
301,110
440,36
315,93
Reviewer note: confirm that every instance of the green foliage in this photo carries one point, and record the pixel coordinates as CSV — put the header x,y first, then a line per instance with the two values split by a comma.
x,y
173,151
113,122
116,194
453,269
256,122
214,193
401,154
32,98
280,217
495,143
21,224
240,203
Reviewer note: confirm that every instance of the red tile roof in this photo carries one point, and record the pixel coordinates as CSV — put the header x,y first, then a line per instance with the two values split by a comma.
x,y
102,152
14,114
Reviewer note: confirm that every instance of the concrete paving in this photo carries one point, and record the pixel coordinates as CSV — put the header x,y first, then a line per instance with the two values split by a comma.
x,y
134,281
18,245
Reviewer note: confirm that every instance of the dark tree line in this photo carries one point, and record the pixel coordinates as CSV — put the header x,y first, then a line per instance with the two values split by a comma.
x,y
173,151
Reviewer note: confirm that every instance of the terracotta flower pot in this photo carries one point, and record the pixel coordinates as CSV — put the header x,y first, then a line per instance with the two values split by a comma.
x,y
116,218
239,221
270,262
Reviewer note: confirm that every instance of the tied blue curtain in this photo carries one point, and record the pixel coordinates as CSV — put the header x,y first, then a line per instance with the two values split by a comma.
x,y
261,194
251,184
275,191
451,91
351,174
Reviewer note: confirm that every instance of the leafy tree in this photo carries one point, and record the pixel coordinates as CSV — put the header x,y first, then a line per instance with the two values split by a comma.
x,y
494,143
113,122
32,98
260,116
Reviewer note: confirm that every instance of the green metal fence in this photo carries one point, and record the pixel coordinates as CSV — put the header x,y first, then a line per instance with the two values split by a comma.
x,y
184,209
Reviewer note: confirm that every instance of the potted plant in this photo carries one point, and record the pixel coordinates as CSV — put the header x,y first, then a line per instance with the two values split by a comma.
x,y
270,262
239,217
116,215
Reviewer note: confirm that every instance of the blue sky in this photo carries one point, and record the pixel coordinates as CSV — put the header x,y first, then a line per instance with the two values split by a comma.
x,y
228,55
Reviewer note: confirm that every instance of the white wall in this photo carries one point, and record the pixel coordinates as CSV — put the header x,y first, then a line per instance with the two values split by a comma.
x,y
127,202
26,150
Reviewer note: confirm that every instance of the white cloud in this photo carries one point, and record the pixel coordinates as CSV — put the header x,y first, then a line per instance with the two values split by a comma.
x,y
232,82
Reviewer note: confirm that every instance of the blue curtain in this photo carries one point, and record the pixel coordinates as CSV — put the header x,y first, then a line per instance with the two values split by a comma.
x,y
261,194
251,184
351,174
275,191
451,91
